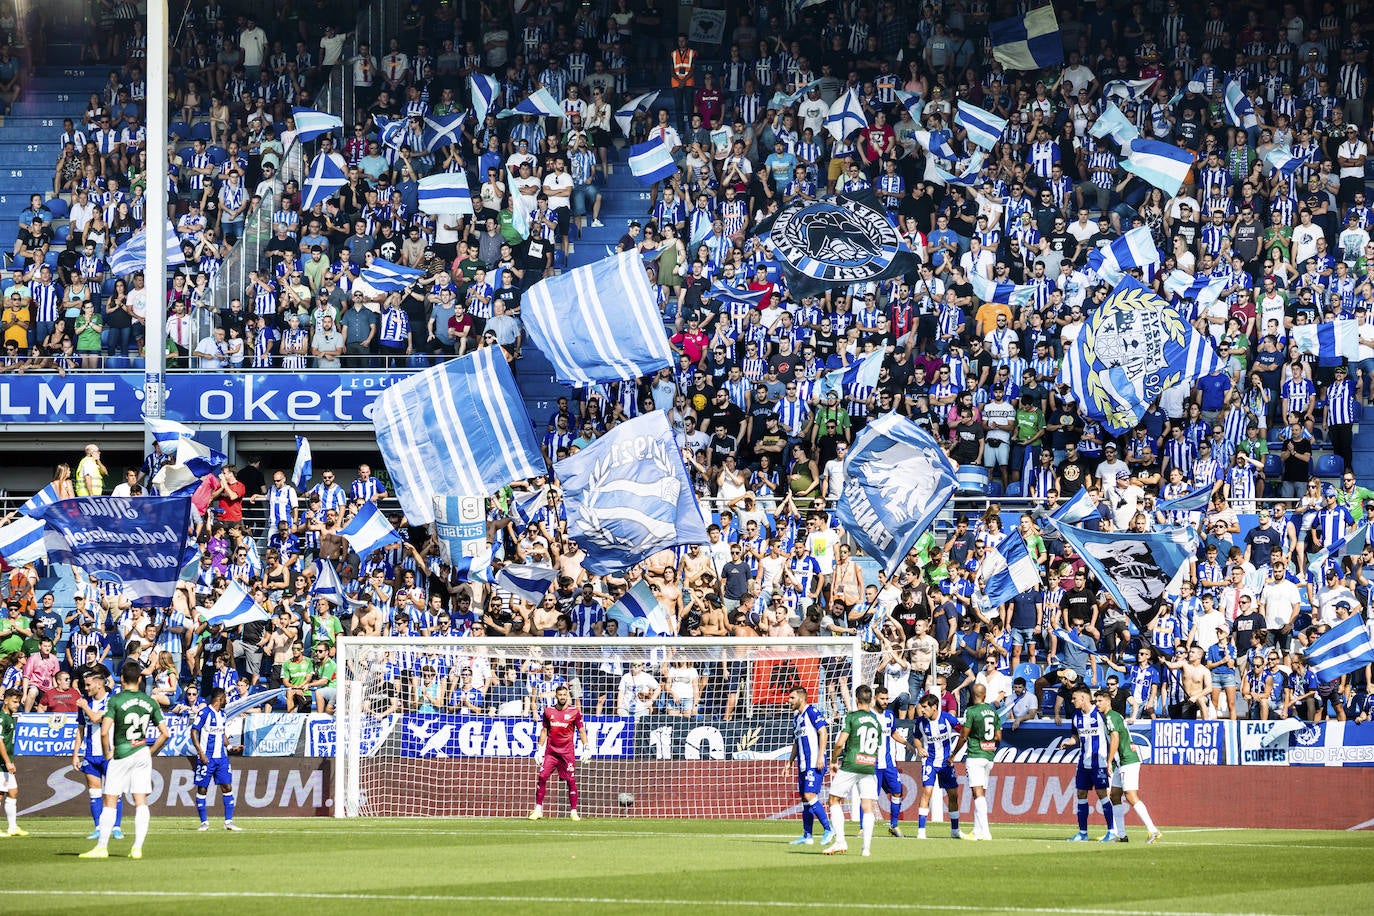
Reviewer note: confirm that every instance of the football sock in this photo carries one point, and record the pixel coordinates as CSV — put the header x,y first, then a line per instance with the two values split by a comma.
x,y
201,808
1107,813
866,821
818,811
980,815
119,811
1119,818
954,820
572,794
1083,816
837,821
141,817
1144,815
107,820
808,819
921,815
11,812
540,789
228,806
894,812
97,804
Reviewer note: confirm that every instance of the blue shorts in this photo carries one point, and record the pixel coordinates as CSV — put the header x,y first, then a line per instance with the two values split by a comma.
x,y
889,781
1091,778
216,771
809,782
945,775
95,766
1223,681
1023,636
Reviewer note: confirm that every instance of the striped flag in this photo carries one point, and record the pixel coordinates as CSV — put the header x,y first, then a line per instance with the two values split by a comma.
x,y
327,584
652,161
473,568
458,427
971,171
324,178
1112,123
1339,339
368,531
1066,637
38,501
1240,111
913,102
1202,289
132,256
484,89
1161,164
167,433
1078,508
539,103
1195,500
527,508
22,541
626,115
846,115
1134,249
199,458
311,123
984,128
445,193
387,277
528,581
1331,553
304,468
1281,160
174,478
234,608
598,322
1346,647
935,144
1127,90
1008,570
638,611
1027,42
862,372
1000,291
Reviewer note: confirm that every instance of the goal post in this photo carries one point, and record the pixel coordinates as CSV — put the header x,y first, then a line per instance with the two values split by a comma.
x,y
443,727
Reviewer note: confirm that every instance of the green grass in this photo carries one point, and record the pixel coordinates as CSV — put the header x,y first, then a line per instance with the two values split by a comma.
x,y
636,867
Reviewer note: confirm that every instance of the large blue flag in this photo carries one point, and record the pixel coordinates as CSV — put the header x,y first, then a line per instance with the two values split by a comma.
x,y
1132,347
1008,570
137,541
1135,568
386,277
368,531
1346,647
324,178
652,161
132,256
599,322
638,611
627,495
459,427
897,479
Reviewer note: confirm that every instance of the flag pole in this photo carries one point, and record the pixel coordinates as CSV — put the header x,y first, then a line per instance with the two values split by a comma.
x,y
155,236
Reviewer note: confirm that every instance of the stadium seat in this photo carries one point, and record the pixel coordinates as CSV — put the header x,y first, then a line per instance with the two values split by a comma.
x,y
1273,466
1014,488
1329,466
995,488
560,260
117,363
107,287
51,261
1028,670
61,234
57,207
179,129
218,154
201,131
137,362
185,153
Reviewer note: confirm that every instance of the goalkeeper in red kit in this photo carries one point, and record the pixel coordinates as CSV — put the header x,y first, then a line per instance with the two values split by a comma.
x,y
560,727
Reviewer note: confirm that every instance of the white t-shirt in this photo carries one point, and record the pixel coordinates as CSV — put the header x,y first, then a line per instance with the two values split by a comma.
x,y
1276,601
1305,242
554,181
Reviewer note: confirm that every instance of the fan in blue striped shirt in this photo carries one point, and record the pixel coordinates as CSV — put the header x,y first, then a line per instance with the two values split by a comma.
x,y
1092,736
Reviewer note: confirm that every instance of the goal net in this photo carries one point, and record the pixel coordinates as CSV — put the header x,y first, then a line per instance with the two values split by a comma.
x,y
442,727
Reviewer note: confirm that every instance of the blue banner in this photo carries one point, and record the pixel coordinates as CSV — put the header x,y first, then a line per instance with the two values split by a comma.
x,y
137,542
272,734
441,736
1190,742
117,397
44,734
1290,742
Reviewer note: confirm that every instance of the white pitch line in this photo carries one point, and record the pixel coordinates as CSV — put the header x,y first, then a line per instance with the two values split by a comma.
x,y
604,901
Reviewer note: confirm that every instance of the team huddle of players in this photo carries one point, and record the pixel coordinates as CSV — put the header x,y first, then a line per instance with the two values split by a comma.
x,y
862,759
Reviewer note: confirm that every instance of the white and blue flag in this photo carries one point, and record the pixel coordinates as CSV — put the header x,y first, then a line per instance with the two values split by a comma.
x,y
167,433
199,458
460,527
527,580
323,179
1201,288
935,143
1079,507
983,128
913,102
970,171
1346,647
327,585
627,495
36,503
897,480
311,123
368,531
1133,346
1027,42
845,116
1240,111
625,115
1135,567
1161,164
1135,249
1000,291
234,608
638,611
132,256
1113,123
304,467
1195,500
599,322
1008,570
1339,339
721,292
652,161
458,427
1283,161
1128,90
386,277
443,130
473,568
862,372
484,89
539,103
445,193
22,541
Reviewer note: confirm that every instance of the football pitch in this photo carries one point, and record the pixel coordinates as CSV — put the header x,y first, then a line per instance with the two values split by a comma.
x,y
638,866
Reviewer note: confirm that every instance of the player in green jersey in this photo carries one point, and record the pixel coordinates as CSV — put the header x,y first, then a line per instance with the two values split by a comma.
x,y
129,717
1126,774
9,783
854,764
981,733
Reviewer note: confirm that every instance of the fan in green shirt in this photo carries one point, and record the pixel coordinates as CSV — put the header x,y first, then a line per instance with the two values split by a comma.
x,y
297,672
1125,764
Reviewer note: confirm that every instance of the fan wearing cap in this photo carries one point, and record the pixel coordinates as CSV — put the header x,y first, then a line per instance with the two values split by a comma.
x,y
1330,523
1111,471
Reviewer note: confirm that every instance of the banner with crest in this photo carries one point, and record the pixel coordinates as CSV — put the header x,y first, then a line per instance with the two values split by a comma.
x,y
627,495
1132,347
823,244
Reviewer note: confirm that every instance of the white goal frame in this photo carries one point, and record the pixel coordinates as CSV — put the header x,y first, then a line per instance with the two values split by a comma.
x,y
350,696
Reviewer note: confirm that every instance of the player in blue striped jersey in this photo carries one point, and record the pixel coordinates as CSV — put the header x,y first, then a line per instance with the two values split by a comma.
x,y
212,750
809,731
889,780
88,753
1092,736
937,733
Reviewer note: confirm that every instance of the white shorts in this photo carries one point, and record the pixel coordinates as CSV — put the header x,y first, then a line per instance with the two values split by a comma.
x,y
1127,777
979,769
132,774
842,785
8,781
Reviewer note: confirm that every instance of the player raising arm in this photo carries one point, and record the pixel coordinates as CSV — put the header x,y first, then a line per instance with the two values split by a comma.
x,y
937,732
124,732
88,751
1126,774
981,732
889,780
560,726
808,750
1090,733
212,749
852,765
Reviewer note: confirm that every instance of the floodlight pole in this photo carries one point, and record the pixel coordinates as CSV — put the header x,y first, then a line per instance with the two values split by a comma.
x,y
155,270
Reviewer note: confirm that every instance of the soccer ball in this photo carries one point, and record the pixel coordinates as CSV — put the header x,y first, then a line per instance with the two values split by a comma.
x,y
625,799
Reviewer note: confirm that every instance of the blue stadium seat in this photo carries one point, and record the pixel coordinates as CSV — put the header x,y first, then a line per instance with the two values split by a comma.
x,y
995,488
560,260
51,261
61,234
57,207
117,363
1014,488
1330,466
201,131
1028,670
218,154
179,129
185,153
137,362
107,287
1273,466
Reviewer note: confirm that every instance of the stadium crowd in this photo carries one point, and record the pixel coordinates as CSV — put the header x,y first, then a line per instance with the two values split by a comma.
x,y
1271,431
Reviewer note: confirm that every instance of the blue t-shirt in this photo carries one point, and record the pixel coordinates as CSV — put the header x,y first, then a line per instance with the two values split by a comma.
x,y
1214,387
